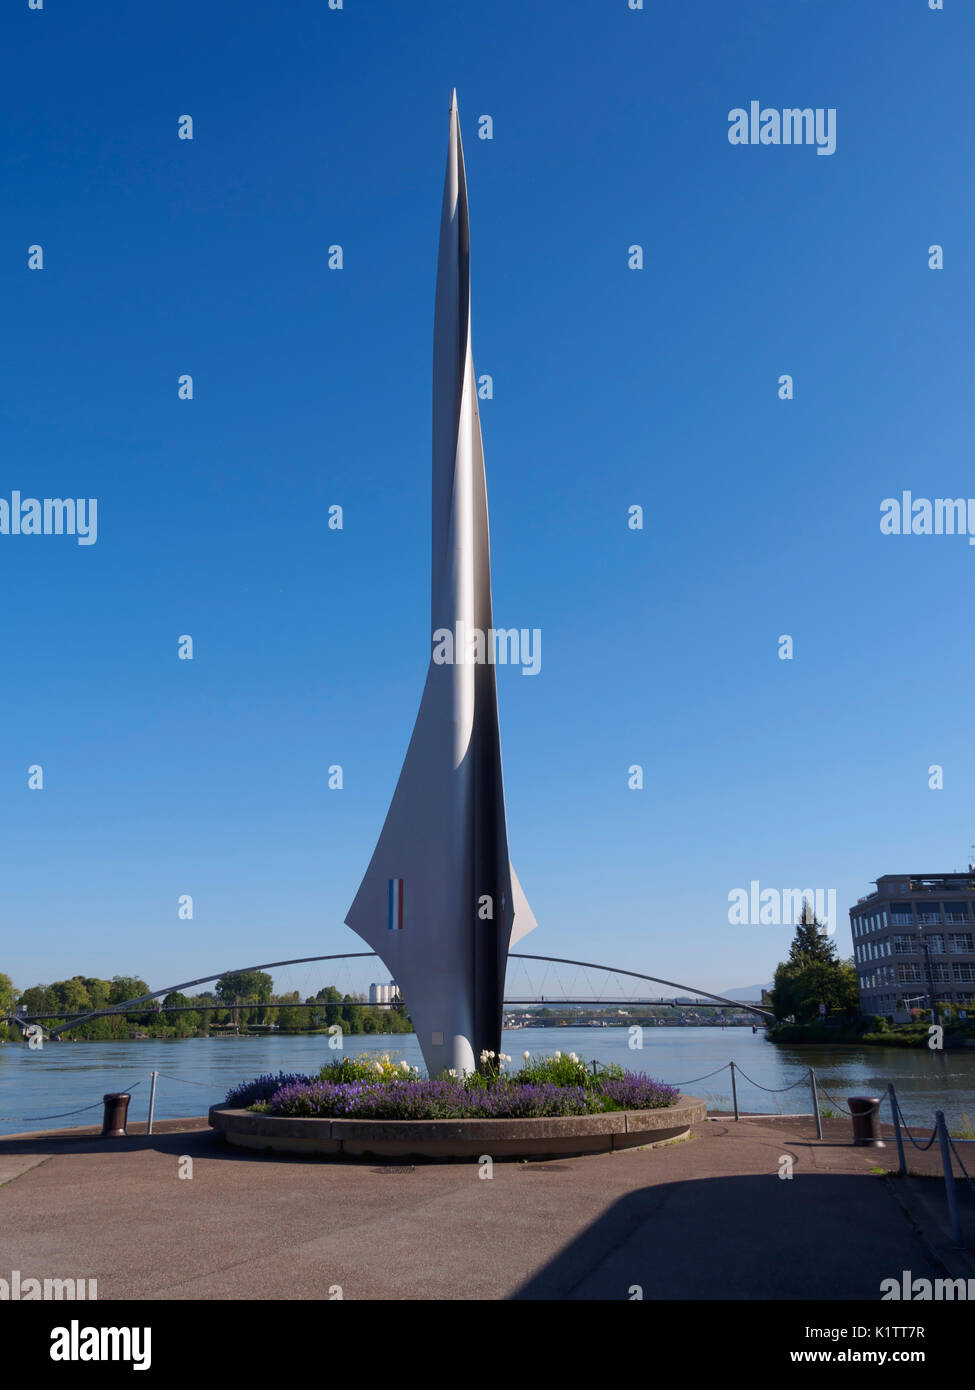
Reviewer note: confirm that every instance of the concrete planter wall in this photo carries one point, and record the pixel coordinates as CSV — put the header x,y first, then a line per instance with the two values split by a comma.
x,y
447,1139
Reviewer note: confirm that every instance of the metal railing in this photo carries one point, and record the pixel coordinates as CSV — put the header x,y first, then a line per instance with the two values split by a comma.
x,y
736,1071
947,1146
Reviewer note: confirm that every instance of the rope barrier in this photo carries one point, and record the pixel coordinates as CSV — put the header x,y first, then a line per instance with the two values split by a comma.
x,y
64,1113
833,1101
921,1148
208,1085
772,1090
695,1079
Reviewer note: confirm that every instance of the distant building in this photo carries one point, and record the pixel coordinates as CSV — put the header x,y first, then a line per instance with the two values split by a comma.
x,y
914,942
383,995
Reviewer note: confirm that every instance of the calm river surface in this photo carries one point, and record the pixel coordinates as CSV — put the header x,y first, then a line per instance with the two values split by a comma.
x,y
36,1086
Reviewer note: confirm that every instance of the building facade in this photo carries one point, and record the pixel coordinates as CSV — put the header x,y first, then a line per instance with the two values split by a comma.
x,y
914,943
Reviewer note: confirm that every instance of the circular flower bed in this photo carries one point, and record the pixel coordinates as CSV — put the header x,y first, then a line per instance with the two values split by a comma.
x,y
382,1088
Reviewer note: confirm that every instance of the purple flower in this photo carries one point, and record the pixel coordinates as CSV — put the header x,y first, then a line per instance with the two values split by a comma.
x,y
448,1099
262,1088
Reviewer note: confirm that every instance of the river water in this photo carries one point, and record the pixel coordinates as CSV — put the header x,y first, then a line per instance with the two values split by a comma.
x,y
36,1087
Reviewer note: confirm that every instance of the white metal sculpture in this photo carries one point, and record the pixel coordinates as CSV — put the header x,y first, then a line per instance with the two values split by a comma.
x,y
440,901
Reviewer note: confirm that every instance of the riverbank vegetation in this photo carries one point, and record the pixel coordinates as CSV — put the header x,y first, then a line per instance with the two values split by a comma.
x,y
242,1002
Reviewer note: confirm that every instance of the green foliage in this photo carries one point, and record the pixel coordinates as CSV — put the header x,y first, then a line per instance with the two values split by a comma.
x,y
245,987
39,999
125,987
286,1018
7,993
369,1066
332,998
245,998
811,943
812,975
566,1069
185,1023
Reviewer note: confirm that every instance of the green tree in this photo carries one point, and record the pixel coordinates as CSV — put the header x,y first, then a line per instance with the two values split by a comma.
x,y
290,1018
125,987
7,997
98,991
183,1023
209,1015
39,999
811,941
349,1015
813,975
245,987
72,995
332,999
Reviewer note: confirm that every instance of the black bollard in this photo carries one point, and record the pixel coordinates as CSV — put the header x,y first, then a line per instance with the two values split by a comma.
x,y
116,1114
865,1113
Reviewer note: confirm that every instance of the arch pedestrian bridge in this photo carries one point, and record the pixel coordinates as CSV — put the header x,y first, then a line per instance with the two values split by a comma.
x,y
706,998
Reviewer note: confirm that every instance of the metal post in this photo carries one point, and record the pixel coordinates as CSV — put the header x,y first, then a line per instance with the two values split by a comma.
x,y
901,1165
815,1104
939,1116
116,1111
152,1099
734,1090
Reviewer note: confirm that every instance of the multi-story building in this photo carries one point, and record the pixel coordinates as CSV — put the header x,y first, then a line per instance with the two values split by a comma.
x,y
914,942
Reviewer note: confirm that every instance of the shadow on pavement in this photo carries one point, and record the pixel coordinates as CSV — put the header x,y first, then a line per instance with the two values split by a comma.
x,y
823,1236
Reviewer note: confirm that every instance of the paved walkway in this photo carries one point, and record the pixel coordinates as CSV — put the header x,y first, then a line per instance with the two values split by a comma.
x,y
708,1218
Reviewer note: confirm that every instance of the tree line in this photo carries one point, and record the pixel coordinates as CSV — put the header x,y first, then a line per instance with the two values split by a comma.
x,y
241,1001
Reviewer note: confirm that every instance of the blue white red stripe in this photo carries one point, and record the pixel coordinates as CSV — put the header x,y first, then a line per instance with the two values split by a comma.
x,y
395,905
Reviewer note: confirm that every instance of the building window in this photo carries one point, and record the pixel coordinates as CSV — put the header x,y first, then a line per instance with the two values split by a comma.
x,y
901,915
930,916
904,944
909,974
956,914
941,974
961,942
936,944
965,974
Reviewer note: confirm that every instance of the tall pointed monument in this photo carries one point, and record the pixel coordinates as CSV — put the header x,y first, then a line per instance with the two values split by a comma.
x,y
440,902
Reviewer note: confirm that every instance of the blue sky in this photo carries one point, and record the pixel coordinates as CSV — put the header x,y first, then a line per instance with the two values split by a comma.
x,y
612,387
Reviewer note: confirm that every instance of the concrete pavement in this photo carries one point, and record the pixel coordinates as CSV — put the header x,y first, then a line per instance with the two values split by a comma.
x,y
707,1218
